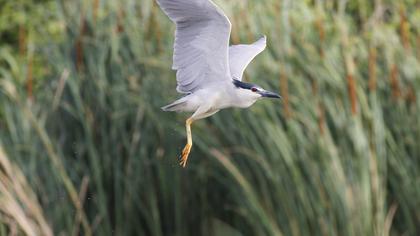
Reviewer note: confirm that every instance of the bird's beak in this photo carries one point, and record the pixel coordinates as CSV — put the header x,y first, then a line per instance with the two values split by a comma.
x,y
269,94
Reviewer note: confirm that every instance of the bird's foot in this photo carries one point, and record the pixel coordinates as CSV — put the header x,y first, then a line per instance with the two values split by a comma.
x,y
184,155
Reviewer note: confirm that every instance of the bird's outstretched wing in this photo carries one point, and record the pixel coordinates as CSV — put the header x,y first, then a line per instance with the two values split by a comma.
x,y
201,42
241,55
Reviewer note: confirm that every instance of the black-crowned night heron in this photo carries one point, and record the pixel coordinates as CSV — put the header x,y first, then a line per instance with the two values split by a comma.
x,y
209,72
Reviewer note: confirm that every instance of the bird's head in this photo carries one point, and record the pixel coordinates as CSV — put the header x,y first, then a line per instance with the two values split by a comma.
x,y
250,92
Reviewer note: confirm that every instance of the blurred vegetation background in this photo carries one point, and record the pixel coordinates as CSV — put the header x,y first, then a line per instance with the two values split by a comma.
x,y
85,148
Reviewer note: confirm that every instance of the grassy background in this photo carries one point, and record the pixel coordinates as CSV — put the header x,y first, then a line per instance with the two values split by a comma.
x,y
85,148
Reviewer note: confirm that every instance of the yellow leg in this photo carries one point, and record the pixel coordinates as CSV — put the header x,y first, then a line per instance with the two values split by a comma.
x,y
187,148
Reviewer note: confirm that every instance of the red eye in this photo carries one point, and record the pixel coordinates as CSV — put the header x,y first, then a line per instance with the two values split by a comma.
x,y
254,89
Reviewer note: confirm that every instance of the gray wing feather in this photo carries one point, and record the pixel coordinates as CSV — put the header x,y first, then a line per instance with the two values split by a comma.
x,y
241,55
201,42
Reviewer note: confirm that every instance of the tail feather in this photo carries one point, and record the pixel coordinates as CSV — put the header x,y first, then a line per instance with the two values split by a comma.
x,y
178,105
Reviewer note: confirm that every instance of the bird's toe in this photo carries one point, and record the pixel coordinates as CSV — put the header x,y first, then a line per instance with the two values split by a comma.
x,y
184,155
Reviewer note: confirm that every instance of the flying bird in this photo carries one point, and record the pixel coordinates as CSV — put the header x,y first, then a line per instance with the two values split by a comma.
x,y
208,71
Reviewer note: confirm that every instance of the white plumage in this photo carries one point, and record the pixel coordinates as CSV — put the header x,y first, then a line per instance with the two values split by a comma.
x,y
201,42
208,70
241,55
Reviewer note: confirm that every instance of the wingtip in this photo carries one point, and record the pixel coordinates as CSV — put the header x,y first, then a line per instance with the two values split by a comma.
x,y
262,40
